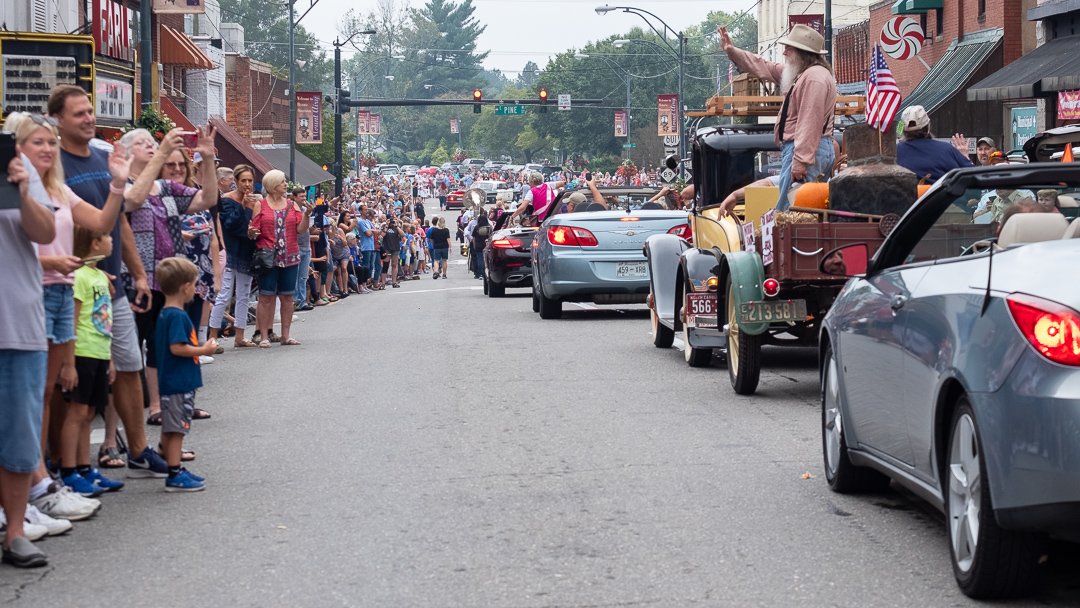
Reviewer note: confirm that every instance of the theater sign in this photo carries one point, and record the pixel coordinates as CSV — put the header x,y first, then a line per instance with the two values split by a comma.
x,y
31,64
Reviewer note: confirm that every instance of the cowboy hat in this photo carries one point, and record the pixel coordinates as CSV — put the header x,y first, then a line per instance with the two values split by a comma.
x,y
806,38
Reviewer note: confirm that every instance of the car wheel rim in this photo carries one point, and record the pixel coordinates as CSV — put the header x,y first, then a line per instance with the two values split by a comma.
x,y
733,332
833,422
965,490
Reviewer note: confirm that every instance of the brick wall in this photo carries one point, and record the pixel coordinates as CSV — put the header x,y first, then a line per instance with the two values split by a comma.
x,y
851,53
238,93
255,100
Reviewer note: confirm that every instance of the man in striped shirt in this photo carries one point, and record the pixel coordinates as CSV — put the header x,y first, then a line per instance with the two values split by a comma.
x,y
805,126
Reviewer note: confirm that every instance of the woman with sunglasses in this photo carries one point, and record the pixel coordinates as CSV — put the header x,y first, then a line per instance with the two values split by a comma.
x,y
157,209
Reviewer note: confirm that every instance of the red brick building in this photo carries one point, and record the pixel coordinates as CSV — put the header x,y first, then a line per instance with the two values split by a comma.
x,y
256,100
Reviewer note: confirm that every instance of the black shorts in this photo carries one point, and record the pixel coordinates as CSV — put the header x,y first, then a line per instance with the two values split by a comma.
x,y
146,323
319,266
93,388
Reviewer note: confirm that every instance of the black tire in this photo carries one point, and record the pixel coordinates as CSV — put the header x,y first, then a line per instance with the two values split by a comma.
x,y
744,350
662,335
535,301
494,290
842,476
695,357
1002,563
486,288
548,308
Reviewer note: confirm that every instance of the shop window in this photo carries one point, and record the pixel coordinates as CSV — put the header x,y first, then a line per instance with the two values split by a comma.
x,y
939,25
982,11
922,20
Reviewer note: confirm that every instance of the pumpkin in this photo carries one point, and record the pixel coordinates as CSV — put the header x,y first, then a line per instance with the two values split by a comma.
x,y
812,195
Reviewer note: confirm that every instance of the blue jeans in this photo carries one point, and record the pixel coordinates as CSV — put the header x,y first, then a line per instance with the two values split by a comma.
x,y
823,162
302,276
367,260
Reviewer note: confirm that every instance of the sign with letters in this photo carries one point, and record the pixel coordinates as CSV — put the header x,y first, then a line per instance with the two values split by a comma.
x,y
620,123
1068,105
308,117
114,99
112,30
28,79
183,7
667,115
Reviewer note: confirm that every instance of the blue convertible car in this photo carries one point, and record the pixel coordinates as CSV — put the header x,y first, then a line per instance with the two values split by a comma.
x,y
950,363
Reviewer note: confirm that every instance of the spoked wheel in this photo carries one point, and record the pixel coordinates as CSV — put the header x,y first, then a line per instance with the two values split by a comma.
x,y
843,476
988,562
744,351
662,335
695,357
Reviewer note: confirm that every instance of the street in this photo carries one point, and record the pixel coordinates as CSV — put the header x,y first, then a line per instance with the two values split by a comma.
x,y
429,446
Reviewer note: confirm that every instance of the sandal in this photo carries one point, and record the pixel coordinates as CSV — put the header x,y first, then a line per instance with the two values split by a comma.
x,y
109,458
154,419
290,342
200,414
264,344
244,344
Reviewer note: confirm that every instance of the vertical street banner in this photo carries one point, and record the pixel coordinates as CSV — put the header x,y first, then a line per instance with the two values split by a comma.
x,y
180,7
620,123
1068,107
375,124
308,117
363,120
667,115
814,22
454,130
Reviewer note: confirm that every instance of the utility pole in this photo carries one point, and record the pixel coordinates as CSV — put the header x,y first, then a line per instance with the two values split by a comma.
x,y
293,22
341,106
146,52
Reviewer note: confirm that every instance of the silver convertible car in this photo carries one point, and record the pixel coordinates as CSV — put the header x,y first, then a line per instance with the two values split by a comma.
x,y
596,256
950,363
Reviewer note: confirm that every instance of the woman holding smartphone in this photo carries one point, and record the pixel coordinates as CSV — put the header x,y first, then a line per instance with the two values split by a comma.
x,y
235,213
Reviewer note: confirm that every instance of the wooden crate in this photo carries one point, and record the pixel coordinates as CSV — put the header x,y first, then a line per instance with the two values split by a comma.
x,y
769,105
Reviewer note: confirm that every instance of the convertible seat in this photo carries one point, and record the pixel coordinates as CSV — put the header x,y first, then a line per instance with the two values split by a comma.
x,y
1065,201
1032,228
1074,229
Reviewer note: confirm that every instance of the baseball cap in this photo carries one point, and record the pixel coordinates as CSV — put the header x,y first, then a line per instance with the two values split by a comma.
x,y
915,118
987,141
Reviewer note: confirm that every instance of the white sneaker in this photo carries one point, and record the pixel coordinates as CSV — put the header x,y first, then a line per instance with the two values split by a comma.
x,y
205,359
32,531
62,503
55,526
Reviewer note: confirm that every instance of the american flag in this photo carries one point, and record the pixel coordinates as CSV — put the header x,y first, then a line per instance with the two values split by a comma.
x,y
882,94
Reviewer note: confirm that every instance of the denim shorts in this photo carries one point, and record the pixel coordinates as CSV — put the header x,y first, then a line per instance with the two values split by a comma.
x,y
22,374
278,281
59,313
441,254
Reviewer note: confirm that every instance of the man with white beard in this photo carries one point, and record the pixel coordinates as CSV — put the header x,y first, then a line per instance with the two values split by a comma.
x,y
805,126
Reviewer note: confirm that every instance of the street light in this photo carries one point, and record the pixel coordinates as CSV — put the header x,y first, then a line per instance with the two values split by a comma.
x,y
679,54
337,112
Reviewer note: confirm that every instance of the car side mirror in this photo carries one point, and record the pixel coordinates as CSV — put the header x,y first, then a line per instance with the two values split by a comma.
x,y
846,261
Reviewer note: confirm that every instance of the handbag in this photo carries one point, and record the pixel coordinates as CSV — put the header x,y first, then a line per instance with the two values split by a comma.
x,y
263,259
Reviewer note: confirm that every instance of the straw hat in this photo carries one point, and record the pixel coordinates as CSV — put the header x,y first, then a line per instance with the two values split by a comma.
x,y
805,38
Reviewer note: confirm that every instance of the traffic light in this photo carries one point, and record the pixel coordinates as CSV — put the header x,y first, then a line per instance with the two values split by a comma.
x,y
342,106
477,96
543,99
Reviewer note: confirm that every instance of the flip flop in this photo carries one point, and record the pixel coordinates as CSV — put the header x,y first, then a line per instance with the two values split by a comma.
x,y
109,458
154,419
200,414
244,344
290,342
264,344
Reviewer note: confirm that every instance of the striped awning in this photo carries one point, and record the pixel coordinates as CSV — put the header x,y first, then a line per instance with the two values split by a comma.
x,y
177,49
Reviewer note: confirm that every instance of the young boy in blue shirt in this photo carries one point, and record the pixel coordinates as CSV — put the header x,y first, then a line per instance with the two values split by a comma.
x,y
179,376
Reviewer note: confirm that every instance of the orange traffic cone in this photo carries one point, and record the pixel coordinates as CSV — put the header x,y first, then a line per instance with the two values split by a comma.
x,y
1067,156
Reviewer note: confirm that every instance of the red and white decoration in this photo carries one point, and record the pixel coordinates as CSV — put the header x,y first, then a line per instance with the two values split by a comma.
x,y
902,38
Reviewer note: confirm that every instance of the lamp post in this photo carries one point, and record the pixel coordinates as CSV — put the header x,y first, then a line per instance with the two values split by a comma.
x,y
680,55
337,112
625,76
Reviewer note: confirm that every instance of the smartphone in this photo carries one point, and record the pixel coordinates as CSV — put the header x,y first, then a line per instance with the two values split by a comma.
x,y
92,259
9,192
190,139
588,176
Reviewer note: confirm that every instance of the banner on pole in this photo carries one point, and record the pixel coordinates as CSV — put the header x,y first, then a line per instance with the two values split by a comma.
x,y
375,124
1068,105
362,120
620,123
308,117
454,129
667,119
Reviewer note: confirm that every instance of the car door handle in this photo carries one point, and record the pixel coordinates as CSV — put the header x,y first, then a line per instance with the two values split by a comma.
x,y
898,302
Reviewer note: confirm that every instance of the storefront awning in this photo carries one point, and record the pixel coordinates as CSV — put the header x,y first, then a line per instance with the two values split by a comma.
x,y
177,49
1054,66
952,72
307,172
234,150
175,114
913,7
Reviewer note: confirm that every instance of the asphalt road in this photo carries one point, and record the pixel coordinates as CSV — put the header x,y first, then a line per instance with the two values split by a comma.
x,y
429,446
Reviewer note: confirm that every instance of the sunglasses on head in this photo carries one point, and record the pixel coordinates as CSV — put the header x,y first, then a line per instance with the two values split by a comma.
x,y
45,121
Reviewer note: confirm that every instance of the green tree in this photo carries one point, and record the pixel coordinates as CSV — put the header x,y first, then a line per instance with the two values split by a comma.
x,y
440,155
452,59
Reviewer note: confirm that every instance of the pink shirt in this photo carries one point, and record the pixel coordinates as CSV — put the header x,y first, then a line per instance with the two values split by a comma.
x,y
64,242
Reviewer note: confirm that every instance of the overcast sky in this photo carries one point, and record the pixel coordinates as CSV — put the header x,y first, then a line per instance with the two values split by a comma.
x,y
522,30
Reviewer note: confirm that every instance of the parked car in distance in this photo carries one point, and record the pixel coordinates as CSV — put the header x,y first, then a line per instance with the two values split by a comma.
x,y
493,189
387,170
493,165
409,170
549,170
950,363
472,163
455,199
530,167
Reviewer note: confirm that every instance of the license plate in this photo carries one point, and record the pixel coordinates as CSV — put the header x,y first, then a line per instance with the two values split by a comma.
x,y
631,270
769,312
701,309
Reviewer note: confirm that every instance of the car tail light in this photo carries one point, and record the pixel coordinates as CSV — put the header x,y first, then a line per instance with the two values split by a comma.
x,y
682,231
712,283
569,236
506,243
629,218
771,287
1053,329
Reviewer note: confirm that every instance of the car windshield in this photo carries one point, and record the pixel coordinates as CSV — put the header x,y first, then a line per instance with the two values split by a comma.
x,y
978,215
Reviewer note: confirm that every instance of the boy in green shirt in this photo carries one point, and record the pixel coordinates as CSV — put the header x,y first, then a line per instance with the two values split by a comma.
x,y
93,362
